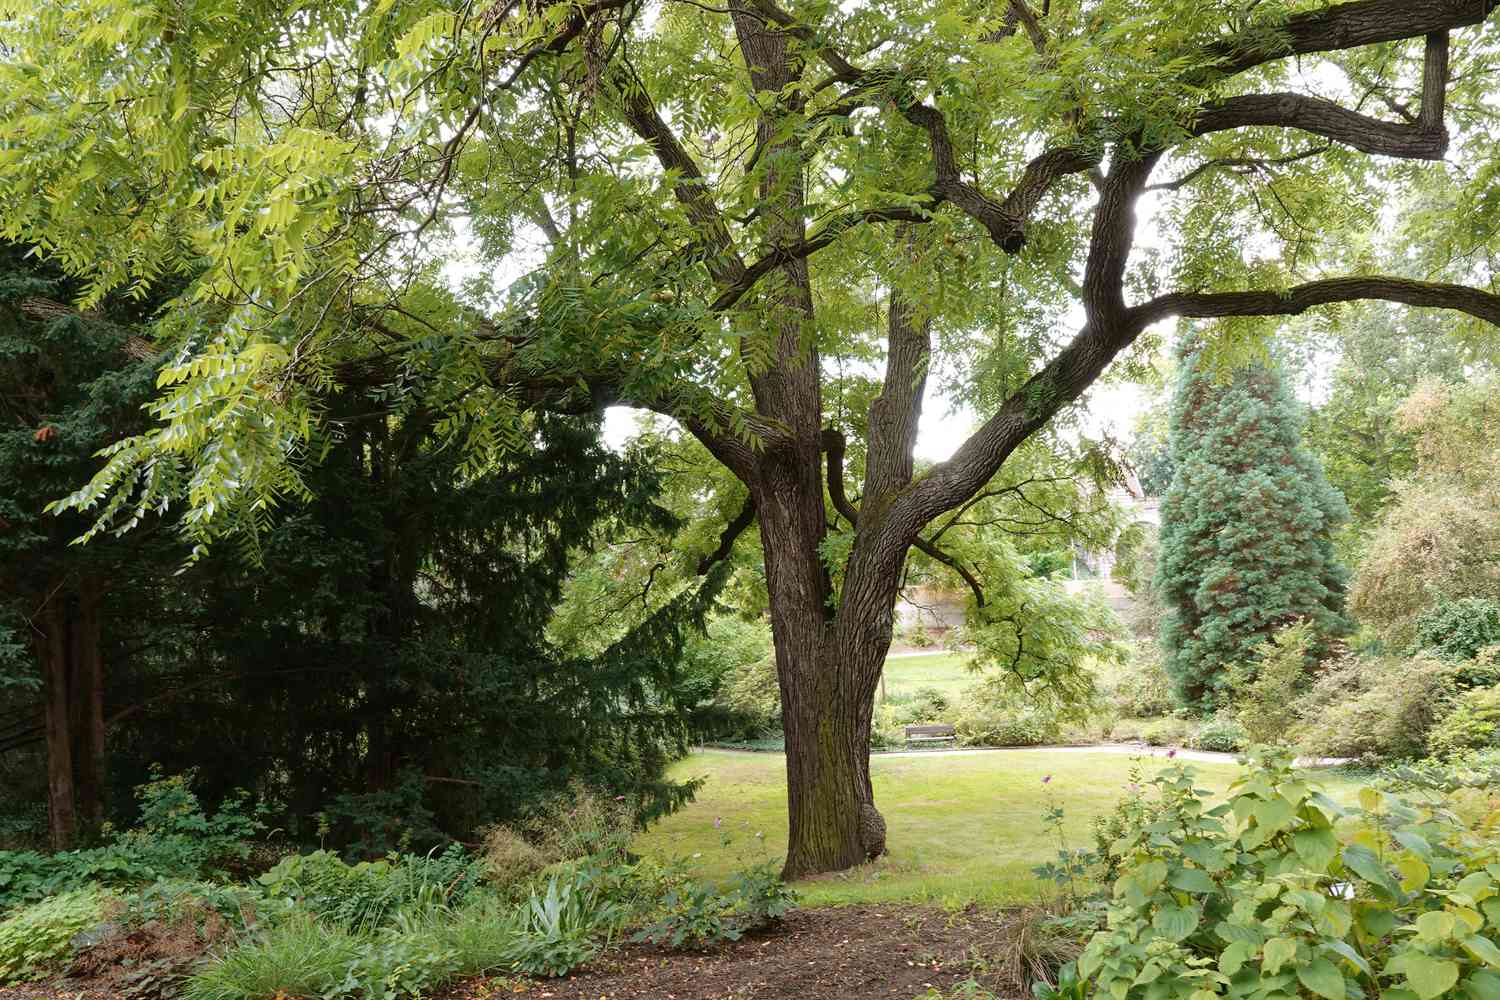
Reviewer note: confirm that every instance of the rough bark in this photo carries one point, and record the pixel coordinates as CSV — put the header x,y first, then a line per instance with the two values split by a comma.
x,y
86,694
53,652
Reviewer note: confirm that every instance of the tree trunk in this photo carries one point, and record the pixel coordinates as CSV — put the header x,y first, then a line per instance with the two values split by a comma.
x,y
68,649
827,686
86,697
52,652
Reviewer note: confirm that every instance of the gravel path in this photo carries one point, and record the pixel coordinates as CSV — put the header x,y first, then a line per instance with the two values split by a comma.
x,y
1132,749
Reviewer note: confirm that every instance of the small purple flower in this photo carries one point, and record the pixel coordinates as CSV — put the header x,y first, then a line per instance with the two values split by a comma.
x,y
718,822
1171,753
1046,778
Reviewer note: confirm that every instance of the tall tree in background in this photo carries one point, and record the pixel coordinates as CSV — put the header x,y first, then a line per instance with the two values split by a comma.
x,y
69,385
1246,526
733,199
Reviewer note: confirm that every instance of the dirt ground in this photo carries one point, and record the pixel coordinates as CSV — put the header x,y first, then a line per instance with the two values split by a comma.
x,y
843,953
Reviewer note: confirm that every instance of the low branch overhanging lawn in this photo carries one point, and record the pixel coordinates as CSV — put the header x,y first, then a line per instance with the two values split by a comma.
x,y
970,825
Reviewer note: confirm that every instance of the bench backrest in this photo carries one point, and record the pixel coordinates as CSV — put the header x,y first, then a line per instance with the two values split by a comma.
x,y
930,730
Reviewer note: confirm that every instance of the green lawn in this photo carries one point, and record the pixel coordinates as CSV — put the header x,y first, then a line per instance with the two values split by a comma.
x,y
946,672
961,827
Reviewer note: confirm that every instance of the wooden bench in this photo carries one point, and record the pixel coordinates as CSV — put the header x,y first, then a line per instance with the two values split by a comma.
x,y
930,734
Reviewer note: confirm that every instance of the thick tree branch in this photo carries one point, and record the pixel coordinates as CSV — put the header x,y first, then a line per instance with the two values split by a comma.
x,y
894,414
690,186
1348,26
728,536
1423,140
833,448
1298,299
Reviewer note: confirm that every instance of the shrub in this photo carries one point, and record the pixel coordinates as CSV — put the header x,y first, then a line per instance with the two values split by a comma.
x,y
369,893
925,704
1166,732
1264,691
168,901
173,839
886,730
1283,892
1473,724
1222,733
701,915
37,939
1378,706
1458,630
1000,727
1143,690
751,694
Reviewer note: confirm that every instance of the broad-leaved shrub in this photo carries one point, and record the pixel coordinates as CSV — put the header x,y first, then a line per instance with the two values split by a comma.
x,y
36,940
1282,892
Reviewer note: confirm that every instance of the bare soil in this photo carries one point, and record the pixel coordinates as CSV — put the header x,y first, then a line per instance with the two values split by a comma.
x,y
841,953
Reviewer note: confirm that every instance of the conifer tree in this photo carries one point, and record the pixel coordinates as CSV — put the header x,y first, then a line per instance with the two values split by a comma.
x,y
1246,536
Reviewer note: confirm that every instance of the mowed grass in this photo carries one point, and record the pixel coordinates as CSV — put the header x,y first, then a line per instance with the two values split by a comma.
x,y
948,672
961,828
964,827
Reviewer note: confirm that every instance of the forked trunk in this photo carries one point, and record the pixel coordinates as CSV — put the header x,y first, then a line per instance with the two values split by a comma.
x,y
827,688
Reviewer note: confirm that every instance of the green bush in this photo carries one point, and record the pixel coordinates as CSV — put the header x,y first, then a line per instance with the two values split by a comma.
x,y
1458,630
700,915
168,901
981,726
1264,692
1473,724
1222,733
1374,706
174,839
1166,732
924,705
1143,690
751,694
369,893
1282,892
35,940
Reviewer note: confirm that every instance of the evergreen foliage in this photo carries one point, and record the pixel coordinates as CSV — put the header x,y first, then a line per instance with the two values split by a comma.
x,y
382,669
1246,527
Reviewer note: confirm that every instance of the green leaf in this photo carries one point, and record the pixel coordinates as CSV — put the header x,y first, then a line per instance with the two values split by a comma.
x,y
1435,926
1483,949
1345,950
1236,955
1176,922
1430,977
1482,985
1363,862
1192,880
1323,978
1278,952
1316,848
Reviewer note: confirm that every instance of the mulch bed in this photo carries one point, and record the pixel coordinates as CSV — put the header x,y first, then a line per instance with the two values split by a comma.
x,y
841,953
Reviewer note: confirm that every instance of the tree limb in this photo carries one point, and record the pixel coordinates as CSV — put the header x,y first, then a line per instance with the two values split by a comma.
x,y
728,536
1298,299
